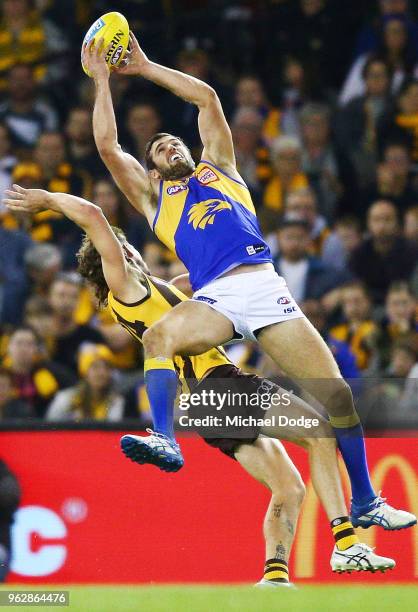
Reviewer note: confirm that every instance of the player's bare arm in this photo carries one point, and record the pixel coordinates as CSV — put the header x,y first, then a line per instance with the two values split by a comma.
x,y
213,127
129,175
121,282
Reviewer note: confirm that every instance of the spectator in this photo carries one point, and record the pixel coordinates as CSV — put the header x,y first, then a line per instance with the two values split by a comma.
x,y
94,397
7,162
306,276
358,121
358,329
35,380
287,176
13,278
10,406
250,93
10,495
38,315
296,91
26,38
341,243
397,50
302,205
368,38
402,125
341,350
385,256
395,180
319,160
25,113
53,172
82,152
410,228
43,262
251,153
107,196
143,121
64,297
398,323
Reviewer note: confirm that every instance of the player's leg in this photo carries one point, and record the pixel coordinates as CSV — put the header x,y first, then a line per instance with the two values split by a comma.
x,y
321,446
267,461
298,349
190,328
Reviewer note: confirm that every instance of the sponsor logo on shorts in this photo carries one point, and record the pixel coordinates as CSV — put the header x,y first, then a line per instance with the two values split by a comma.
x,y
176,189
206,175
283,300
203,298
289,310
97,25
253,249
116,55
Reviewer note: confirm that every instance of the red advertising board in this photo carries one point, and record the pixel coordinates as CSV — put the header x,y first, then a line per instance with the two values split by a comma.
x,y
89,515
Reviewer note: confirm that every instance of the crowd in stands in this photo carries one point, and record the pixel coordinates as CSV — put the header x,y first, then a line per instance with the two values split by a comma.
x,y
322,100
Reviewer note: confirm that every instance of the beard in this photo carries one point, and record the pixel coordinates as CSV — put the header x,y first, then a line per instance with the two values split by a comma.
x,y
181,169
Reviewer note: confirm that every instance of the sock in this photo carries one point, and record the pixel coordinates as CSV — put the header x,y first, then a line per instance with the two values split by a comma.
x,y
276,570
350,439
161,386
343,532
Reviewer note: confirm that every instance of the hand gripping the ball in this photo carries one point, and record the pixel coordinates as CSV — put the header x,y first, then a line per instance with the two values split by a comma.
x,y
93,58
135,61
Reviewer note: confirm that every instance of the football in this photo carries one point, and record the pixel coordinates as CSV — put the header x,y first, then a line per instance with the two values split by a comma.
x,y
114,29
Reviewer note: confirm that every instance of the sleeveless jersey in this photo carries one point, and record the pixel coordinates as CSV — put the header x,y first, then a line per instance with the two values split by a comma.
x,y
209,221
160,299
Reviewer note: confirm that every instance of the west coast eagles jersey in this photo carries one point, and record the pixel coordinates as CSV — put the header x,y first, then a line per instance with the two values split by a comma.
x,y
138,316
209,221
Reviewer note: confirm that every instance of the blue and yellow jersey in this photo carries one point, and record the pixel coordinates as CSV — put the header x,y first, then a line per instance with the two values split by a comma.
x,y
209,221
161,297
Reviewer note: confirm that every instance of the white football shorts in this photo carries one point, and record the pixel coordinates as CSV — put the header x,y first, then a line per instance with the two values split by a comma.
x,y
251,300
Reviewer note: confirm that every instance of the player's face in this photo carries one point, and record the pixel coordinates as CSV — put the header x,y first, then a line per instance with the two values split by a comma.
x,y
172,158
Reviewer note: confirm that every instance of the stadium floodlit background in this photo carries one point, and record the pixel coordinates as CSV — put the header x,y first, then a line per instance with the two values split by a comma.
x,y
322,99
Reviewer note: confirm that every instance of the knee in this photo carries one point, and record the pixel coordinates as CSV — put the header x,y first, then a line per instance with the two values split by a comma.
x,y
341,402
292,490
155,339
297,491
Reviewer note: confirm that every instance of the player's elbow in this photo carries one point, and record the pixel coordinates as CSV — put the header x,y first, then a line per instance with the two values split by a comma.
x,y
108,149
208,95
92,214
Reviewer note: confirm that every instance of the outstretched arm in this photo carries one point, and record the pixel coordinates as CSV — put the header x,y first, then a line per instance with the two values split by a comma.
x,y
214,130
127,172
90,218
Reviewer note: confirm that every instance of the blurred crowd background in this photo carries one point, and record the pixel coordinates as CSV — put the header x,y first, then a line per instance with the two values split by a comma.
x,y
322,99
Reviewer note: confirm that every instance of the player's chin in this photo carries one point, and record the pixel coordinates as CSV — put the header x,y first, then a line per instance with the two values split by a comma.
x,y
178,170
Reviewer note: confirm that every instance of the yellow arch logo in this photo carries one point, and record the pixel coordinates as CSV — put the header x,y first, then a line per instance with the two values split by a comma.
x,y
203,213
306,543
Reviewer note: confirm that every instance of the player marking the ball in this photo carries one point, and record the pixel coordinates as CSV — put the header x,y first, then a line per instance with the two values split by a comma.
x,y
205,215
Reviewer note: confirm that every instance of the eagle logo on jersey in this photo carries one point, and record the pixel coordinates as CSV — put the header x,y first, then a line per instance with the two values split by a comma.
x,y
203,213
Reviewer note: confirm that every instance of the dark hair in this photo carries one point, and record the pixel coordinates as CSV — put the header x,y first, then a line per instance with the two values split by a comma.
x,y
375,59
38,306
285,223
358,284
348,221
398,287
90,265
148,158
